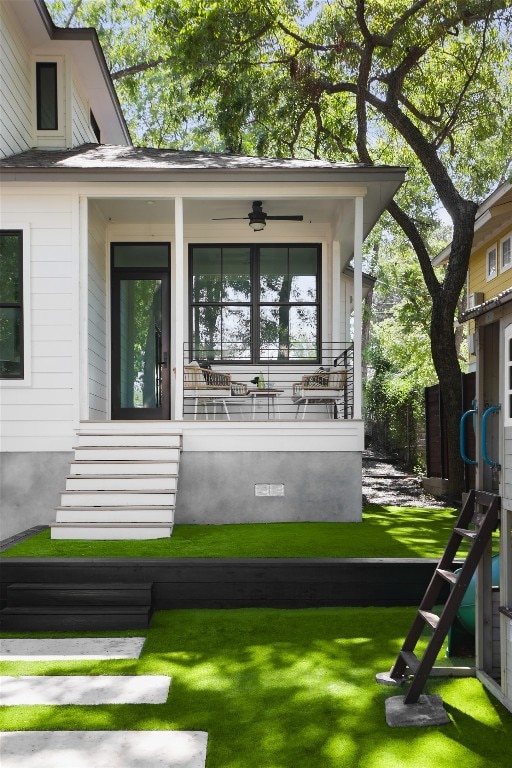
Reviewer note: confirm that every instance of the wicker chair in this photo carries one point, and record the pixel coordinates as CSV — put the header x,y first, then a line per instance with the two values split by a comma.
x,y
322,387
206,386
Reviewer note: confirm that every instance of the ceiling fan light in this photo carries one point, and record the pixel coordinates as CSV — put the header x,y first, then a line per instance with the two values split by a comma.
x,y
257,224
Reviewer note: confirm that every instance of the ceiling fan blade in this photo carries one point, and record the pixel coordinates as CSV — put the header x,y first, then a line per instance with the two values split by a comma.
x,y
285,218
232,218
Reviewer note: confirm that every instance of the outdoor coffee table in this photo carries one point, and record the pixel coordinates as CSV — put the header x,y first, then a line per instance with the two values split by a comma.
x,y
270,393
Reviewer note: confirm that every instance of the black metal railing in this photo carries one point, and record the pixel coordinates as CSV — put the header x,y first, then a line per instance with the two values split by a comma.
x,y
306,386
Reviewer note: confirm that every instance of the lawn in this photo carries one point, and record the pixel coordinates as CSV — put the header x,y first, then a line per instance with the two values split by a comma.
x,y
284,689
385,532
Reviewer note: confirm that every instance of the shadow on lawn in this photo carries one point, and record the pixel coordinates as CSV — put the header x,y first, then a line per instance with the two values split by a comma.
x,y
289,689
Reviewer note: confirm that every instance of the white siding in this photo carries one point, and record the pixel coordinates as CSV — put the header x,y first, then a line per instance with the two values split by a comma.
x,y
38,414
16,117
82,132
506,491
97,318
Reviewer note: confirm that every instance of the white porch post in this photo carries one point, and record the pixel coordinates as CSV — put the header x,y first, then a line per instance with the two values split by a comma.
x,y
336,299
178,315
358,305
83,307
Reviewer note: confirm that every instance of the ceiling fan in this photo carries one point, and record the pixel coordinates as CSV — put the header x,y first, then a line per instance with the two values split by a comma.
x,y
258,218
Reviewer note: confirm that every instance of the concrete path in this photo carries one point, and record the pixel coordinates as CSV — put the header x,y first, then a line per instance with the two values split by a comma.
x,y
71,648
84,689
103,749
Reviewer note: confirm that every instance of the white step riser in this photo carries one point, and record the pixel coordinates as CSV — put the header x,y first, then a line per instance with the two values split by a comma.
x,y
120,499
80,468
131,427
167,441
115,516
163,483
108,534
127,454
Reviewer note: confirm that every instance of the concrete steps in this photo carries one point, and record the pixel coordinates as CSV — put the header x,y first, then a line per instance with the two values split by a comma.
x,y
122,484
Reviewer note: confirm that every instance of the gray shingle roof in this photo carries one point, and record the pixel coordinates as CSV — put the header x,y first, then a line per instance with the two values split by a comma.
x,y
104,156
501,298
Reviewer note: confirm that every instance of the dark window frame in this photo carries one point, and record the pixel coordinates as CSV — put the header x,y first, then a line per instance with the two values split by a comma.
x,y
255,303
95,127
40,96
17,305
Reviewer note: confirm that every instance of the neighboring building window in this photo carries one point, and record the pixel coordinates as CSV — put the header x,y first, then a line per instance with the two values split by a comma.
x,y
46,91
11,304
506,252
492,262
255,303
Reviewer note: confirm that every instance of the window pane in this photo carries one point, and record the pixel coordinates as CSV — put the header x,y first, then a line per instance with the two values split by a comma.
x,y
236,273
288,333
303,274
9,268
10,342
274,282
207,274
221,332
141,255
46,96
506,252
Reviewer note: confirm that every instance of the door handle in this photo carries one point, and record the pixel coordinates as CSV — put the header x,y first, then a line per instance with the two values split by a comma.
x,y
493,409
462,436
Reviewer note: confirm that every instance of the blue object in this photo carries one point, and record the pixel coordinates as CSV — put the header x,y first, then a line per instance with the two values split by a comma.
x,y
485,415
462,436
466,614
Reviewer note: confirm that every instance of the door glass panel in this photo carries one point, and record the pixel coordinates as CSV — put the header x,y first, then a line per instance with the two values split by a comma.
x,y
135,255
140,343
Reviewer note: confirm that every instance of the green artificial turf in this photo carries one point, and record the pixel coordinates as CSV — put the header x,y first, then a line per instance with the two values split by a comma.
x,y
384,532
284,689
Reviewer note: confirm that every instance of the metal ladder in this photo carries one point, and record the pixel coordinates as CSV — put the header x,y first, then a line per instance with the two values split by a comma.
x,y
407,664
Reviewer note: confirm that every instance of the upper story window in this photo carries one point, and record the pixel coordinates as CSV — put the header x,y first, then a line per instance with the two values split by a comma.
x,y
492,262
47,96
506,252
255,303
11,304
95,127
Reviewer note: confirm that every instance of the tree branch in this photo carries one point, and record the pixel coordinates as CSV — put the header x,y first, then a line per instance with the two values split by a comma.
x,y
411,231
136,68
73,12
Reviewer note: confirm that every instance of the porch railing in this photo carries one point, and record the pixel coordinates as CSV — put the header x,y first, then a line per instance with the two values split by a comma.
x,y
312,385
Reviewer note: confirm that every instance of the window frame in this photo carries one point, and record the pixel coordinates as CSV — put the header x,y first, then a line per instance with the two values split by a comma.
x,y
255,303
17,304
504,267
488,274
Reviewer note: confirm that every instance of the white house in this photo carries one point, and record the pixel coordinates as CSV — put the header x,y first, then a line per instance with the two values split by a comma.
x,y
163,309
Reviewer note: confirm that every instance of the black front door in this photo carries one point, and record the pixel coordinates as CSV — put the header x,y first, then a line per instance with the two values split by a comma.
x,y
140,331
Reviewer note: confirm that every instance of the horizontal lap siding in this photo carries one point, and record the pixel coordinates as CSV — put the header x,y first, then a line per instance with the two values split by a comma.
x,y
97,314
81,130
507,469
15,90
40,414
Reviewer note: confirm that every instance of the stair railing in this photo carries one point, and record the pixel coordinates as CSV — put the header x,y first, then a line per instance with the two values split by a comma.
x,y
495,465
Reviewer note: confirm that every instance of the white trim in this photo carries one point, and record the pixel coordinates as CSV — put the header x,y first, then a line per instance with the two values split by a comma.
x,y
358,304
488,274
336,334
78,380
507,376
26,381
83,321
504,267
180,294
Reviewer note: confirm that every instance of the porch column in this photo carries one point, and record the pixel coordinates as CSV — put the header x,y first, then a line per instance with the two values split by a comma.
x,y
358,304
83,309
336,298
180,293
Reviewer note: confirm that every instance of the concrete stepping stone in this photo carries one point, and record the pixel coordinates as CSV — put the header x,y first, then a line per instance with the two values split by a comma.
x,y
70,648
84,689
103,749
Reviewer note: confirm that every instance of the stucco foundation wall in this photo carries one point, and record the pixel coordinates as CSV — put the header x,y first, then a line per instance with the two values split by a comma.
x,y
30,488
220,487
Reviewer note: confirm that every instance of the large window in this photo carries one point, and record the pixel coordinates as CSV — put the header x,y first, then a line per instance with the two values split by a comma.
x,y
255,303
11,304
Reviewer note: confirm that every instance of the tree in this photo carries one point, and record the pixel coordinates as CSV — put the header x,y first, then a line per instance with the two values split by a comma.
x,y
424,83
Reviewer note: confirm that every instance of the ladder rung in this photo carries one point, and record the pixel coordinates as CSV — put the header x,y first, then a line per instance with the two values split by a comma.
x,y
411,660
466,533
448,576
430,618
